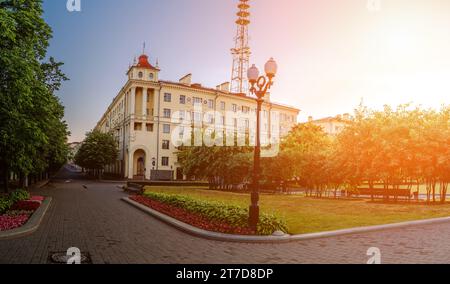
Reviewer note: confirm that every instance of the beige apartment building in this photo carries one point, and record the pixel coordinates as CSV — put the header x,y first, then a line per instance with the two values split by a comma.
x,y
141,118
332,125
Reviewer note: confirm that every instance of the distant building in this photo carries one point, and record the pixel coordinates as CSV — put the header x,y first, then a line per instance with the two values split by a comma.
x,y
143,118
332,125
73,148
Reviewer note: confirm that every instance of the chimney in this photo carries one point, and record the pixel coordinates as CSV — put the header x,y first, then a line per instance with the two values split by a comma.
x,y
186,80
225,87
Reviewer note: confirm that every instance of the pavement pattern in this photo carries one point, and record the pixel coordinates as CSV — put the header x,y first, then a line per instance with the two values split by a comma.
x,y
96,221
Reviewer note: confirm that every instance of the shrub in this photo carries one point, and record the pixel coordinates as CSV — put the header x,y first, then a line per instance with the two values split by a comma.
x,y
19,195
220,212
5,204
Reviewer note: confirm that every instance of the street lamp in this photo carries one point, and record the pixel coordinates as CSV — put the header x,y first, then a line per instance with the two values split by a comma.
x,y
259,87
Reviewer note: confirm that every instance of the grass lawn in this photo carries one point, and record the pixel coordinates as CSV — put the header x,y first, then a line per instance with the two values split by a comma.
x,y
306,215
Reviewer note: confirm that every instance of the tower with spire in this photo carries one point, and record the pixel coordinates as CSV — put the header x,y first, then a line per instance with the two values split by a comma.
x,y
142,69
241,51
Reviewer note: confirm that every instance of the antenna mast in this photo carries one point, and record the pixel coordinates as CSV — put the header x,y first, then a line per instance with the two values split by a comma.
x,y
241,51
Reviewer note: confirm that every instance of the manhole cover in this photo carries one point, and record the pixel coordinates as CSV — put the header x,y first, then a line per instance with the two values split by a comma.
x,y
62,258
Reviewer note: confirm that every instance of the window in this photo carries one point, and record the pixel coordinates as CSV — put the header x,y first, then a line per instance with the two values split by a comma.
x,y
197,117
166,128
247,124
138,126
181,132
245,109
140,75
235,107
167,97
197,101
167,113
211,104
149,127
182,100
166,145
222,120
210,118
151,76
182,114
222,105
165,161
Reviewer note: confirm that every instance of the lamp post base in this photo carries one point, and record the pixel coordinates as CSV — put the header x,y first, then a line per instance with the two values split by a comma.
x,y
254,217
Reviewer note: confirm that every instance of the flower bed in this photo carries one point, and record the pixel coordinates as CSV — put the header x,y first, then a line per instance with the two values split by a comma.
x,y
17,208
26,205
210,216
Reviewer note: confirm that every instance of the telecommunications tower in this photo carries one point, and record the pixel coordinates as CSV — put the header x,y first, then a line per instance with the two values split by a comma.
x,y
241,51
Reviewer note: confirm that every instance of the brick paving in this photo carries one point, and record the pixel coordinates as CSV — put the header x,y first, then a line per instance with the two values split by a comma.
x,y
97,221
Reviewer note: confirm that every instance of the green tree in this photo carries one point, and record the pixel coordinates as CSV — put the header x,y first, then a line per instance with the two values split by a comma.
x,y
97,151
223,167
32,133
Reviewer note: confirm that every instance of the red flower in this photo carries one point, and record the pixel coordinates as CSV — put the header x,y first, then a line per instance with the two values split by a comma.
x,y
190,218
12,222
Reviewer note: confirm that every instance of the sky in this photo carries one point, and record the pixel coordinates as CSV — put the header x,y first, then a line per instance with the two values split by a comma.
x,y
332,54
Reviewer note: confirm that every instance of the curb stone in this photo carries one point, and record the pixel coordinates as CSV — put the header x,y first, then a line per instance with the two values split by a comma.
x,y
191,230
31,226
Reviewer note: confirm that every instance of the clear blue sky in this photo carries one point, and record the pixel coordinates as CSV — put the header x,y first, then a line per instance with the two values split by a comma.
x,y
330,53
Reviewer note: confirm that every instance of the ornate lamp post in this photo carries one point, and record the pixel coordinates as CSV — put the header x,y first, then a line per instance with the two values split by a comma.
x,y
259,87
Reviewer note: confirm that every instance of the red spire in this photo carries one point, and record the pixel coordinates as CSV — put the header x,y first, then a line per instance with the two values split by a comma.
x,y
143,62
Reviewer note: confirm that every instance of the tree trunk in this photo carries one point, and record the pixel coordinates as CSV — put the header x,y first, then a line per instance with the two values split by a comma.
x,y
5,175
434,191
444,187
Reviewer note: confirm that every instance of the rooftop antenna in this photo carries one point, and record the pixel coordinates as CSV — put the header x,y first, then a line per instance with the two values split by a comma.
x,y
241,52
143,49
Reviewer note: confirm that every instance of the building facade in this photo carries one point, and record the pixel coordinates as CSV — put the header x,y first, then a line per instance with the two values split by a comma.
x,y
147,111
332,125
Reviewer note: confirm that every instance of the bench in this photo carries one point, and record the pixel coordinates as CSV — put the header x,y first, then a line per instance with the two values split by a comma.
x,y
134,188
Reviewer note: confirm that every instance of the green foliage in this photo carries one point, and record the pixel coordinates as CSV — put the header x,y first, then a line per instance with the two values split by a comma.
x,y
390,146
97,151
221,212
223,167
8,200
19,195
32,131
5,204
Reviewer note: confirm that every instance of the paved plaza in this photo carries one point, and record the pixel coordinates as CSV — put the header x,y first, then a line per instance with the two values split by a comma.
x,y
111,231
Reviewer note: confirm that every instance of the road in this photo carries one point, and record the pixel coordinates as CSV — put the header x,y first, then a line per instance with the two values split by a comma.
x,y
111,231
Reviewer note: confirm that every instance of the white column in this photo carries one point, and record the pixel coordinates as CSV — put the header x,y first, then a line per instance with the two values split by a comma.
x,y
144,103
133,101
148,165
130,165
